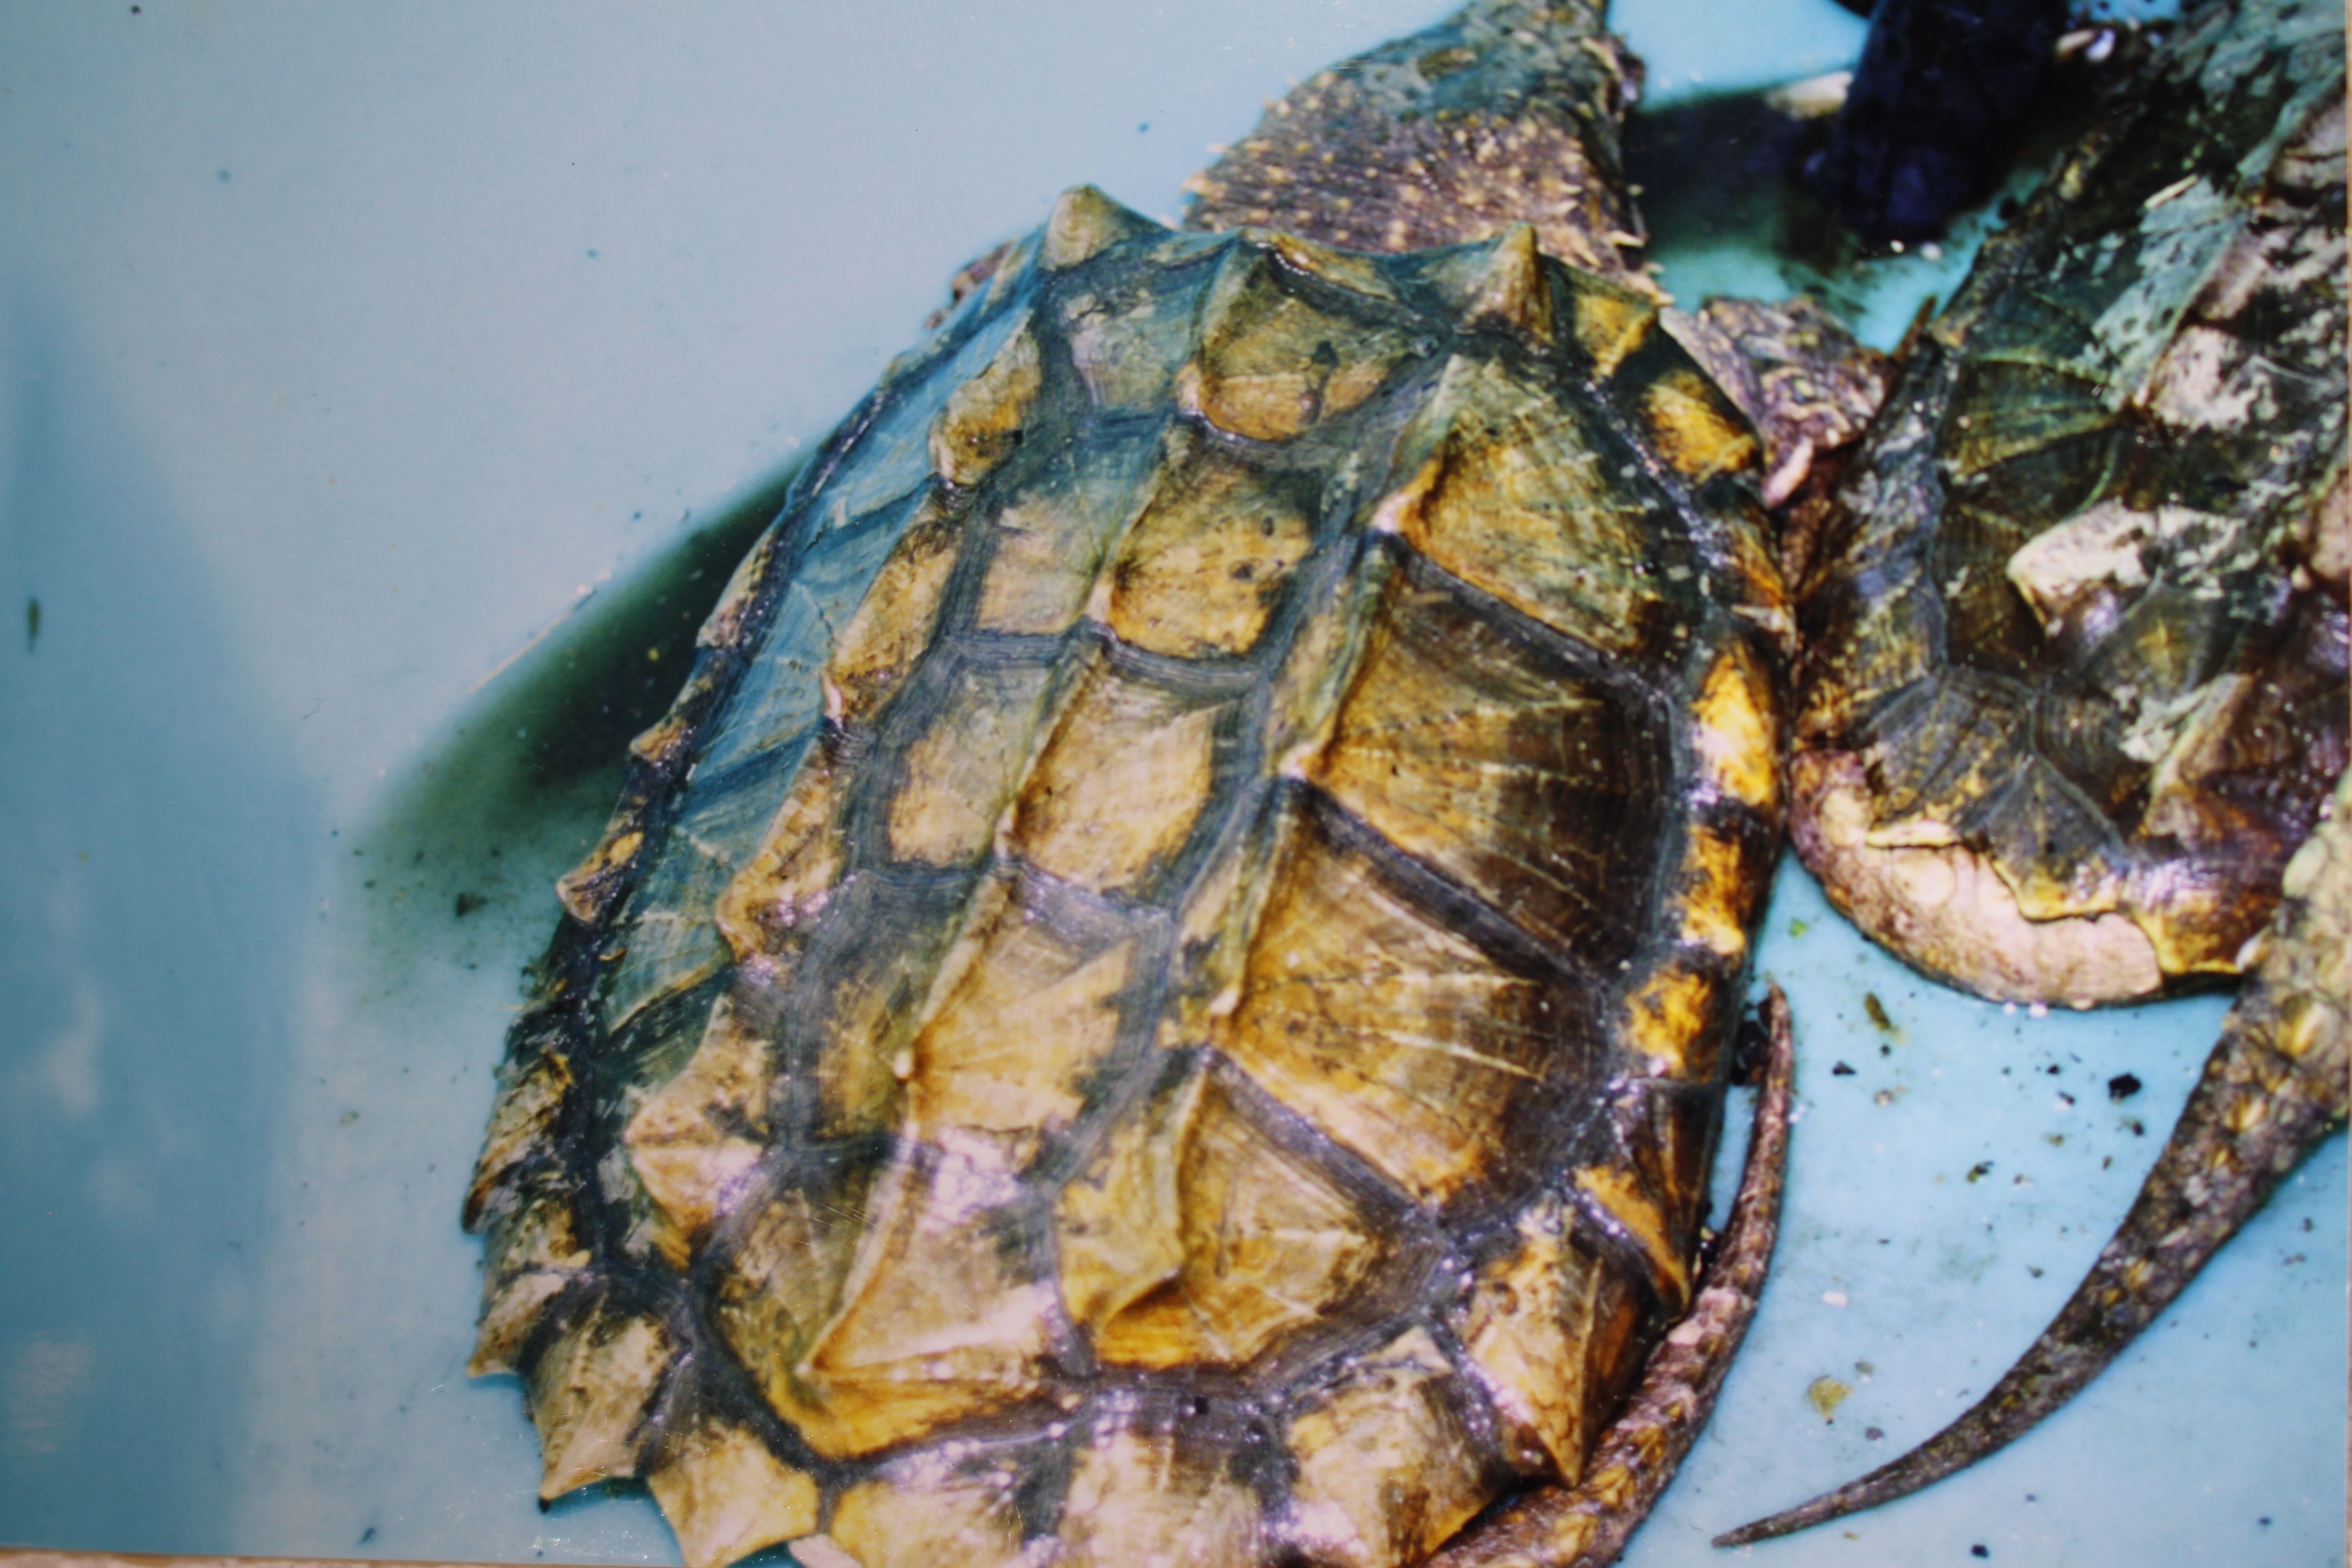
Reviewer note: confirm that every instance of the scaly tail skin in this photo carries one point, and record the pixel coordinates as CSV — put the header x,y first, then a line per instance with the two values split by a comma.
x,y
2274,1086
1588,1524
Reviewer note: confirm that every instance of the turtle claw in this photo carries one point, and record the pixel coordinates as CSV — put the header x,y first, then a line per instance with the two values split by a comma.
x,y
2273,1087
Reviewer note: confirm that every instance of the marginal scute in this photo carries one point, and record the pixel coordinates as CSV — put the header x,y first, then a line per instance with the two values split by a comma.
x,y
664,743
2285,725
1138,1499
1944,744
590,1394
687,1141
1717,894
1400,1039
930,1511
1609,324
522,1127
1735,731
1386,1468
535,1256
1664,1015
1628,1206
983,421
725,623
1551,1330
1013,272
1666,1132
2039,808
1084,222
588,889
1696,428
726,1496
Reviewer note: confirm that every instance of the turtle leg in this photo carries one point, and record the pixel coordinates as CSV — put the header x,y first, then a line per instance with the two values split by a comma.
x,y
2274,1086
1586,1525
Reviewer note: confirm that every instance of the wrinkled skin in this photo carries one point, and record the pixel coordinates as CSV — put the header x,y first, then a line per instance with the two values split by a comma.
x,y
2075,687
2074,669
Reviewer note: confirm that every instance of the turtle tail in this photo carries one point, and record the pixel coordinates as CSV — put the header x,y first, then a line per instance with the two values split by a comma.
x,y
2273,1087
1588,1524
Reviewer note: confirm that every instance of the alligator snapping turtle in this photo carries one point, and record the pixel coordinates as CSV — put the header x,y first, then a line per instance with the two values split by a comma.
x,y
2074,685
1163,993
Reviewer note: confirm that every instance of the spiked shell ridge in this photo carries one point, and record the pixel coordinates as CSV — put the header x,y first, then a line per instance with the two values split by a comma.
x,y
1178,944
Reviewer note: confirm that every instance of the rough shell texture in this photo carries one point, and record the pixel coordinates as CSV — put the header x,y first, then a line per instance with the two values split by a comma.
x,y
2177,621
1506,112
2075,675
1161,994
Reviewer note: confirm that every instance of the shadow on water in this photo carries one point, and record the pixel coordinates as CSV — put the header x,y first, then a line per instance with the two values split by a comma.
x,y
464,856
1714,170
1727,213
373,1439
518,787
